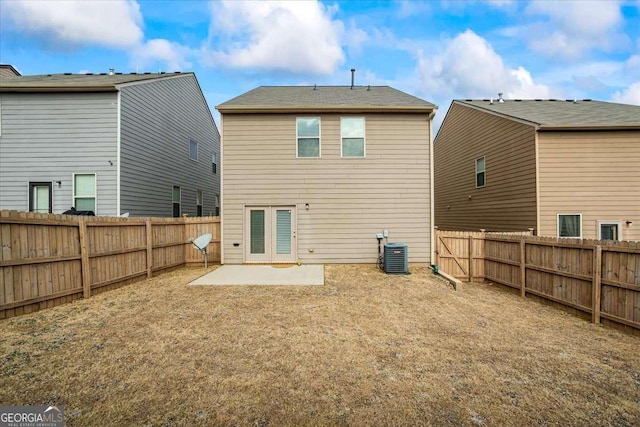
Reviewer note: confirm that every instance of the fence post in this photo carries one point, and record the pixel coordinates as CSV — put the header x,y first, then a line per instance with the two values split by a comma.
x,y
523,268
597,275
84,255
470,259
149,248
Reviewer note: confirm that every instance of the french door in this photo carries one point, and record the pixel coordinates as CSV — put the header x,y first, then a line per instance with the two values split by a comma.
x,y
270,234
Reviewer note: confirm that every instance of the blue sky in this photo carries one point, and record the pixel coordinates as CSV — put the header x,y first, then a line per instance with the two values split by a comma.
x,y
436,50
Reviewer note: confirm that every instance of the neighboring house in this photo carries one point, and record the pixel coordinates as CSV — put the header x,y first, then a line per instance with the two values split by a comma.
x,y
564,168
112,143
7,70
313,173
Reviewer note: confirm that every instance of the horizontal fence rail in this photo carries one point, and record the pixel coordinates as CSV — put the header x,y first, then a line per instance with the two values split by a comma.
x,y
590,278
47,260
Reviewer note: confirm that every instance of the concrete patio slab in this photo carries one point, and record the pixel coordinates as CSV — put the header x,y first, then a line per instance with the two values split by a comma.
x,y
263,275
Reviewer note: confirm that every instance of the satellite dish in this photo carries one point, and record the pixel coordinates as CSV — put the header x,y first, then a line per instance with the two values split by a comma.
x,y
201,244
125,215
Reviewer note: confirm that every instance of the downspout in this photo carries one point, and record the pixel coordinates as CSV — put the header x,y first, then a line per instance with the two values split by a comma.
x,y
431,190
537,159
221,198
118,142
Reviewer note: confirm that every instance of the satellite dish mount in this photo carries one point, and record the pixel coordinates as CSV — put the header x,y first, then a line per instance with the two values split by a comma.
x,y
201,244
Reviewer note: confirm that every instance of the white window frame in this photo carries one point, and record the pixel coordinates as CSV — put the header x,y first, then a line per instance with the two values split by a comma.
x,y
484,172
179,202
604,222
95,189
319,138
200,195
193,141
558,225
364,137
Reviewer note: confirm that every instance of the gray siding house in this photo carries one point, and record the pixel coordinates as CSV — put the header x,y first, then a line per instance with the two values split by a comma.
x,y
312,174
143,144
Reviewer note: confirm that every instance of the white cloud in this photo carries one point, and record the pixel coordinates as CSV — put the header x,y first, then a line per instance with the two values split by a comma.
x,y
291,36
573,27
112,23
173,55
630,95
469,67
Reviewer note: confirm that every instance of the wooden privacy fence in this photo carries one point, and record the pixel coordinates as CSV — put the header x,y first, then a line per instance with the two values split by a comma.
x,y
599,279
47,260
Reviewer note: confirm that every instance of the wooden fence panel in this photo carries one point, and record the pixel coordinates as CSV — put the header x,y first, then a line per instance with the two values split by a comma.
x,y
593,279
41,255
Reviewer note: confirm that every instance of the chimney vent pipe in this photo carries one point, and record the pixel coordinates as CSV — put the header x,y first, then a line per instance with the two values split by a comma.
x,y
353,76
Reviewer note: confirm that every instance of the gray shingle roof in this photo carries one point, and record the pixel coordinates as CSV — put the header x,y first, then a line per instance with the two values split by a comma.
x,y
75,82
554,114
325,98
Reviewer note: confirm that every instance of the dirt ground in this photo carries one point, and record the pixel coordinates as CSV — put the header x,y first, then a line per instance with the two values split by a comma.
x,y
365,349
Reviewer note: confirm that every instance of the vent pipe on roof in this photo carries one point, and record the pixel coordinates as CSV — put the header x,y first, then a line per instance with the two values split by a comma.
x,y
500,99
353,76
112,71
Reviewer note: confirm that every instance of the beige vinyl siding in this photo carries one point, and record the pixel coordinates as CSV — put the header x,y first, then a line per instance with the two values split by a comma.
x,y
350,200
507,202
593,173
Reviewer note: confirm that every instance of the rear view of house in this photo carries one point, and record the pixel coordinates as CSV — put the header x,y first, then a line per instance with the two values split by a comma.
x,y
564,168
111,143
313,173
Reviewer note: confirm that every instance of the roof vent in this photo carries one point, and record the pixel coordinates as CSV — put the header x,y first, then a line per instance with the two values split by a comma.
x,y
518,100
177,72
133,73
67,74
353,77
500,99
490,101
112,71
368,88
587,100
538,100
315,87
103,74
118,74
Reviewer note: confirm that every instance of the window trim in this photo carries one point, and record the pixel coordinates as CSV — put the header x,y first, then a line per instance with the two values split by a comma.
x,y
613,222
179,202
364,138
558,225
319,138
484,171
95,189
193,141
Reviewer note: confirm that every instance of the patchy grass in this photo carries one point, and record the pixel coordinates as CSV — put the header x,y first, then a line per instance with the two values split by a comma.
x,y
366,349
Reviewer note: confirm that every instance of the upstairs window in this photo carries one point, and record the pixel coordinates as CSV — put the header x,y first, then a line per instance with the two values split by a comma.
x,y
480,172
176,201
193,150
84,192
352,133
308,137
214,163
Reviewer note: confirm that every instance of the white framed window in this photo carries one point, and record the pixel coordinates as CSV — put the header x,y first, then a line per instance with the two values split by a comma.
x,y
84,191
193,150
199,197
570,225
480,172
214,163
176,197
308,137
352,135
609,230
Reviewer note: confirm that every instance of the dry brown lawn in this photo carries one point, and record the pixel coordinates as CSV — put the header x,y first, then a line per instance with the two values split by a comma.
x,y
366,349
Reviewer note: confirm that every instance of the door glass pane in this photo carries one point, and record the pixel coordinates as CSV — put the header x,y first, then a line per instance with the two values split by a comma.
x,y
41,198
283,231
257,231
